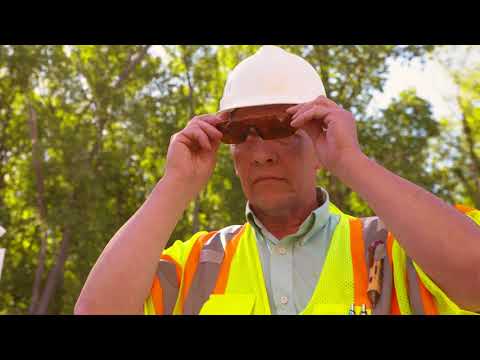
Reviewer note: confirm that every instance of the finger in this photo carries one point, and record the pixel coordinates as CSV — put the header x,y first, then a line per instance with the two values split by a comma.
x,y
216,145
319,100
302,109
211,130
323,100
223,116
196,134
322,138
293,109
206,118
317,113
211,119
321,144
298,108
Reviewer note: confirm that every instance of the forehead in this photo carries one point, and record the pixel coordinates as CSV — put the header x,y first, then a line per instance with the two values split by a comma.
x,y
264,110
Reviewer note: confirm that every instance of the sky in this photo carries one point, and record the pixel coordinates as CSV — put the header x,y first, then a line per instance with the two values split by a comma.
x,y
431,81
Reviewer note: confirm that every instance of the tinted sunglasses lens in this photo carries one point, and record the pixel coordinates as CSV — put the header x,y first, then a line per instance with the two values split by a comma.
x,y
277,132
272,128
233,133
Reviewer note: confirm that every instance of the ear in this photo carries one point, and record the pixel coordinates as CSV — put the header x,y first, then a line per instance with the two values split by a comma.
x,y
233,158
317,165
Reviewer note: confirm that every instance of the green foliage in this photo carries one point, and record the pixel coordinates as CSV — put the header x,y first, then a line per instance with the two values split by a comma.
x,y
104,124
400,136
458,153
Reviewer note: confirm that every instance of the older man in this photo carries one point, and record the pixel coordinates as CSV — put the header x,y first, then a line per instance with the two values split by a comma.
x,y
297,253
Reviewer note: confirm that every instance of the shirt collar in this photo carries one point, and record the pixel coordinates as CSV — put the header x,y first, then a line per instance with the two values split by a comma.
x,y
315,221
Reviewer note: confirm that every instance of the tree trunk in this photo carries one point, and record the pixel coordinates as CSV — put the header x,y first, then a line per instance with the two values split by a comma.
x,y
132,63
191,98
55,275
37,165
57,306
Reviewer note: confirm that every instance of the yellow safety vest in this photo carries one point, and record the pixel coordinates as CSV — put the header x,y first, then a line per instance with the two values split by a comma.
x,y
220,273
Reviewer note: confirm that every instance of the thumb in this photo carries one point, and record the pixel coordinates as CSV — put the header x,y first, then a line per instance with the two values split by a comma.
x,y
313,130
215,146
321,147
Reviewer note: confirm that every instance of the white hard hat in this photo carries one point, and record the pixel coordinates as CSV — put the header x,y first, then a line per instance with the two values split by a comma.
x,y
271,76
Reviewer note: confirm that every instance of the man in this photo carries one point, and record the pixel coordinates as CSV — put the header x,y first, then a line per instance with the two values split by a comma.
x,y
297,253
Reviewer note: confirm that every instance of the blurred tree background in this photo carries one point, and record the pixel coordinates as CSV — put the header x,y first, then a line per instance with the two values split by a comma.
x,y
84,132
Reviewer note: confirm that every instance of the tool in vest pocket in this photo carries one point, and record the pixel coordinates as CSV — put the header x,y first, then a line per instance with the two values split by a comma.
x,y
352,310
377,254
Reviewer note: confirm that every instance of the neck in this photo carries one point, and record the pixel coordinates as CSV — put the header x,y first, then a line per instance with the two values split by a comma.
x,y
286,221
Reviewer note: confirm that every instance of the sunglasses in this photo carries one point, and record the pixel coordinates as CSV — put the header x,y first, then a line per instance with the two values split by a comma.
x,y
268,125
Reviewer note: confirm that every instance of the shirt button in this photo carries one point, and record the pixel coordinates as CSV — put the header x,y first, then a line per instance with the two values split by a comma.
x,y
284,300
282,250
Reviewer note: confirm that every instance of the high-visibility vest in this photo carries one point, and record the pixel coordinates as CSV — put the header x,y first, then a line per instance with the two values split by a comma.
x,y
220,273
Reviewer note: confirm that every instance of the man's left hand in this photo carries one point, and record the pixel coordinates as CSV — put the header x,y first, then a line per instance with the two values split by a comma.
x,y
331,128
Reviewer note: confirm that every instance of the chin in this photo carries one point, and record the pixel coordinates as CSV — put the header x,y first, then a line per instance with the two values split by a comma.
x,y
272,201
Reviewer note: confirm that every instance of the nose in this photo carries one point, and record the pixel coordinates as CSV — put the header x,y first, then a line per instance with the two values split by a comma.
x,y
262,152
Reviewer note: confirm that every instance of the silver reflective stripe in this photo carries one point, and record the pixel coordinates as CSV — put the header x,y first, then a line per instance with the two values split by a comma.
x,y
203,281
211,256
167,275
205,278
414,296
227,234
373,229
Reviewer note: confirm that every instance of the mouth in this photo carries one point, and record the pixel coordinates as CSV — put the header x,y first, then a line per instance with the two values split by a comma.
x,y
268,178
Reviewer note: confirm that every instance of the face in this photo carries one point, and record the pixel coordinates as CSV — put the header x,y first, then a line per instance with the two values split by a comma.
x,y
275,174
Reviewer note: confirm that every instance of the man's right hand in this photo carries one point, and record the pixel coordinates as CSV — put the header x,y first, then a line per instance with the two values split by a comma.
x,y
192,153
112,287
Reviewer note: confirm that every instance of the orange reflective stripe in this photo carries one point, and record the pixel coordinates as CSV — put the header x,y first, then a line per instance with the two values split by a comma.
x,y
464,209
178,268
222,279
360,276
394,309
157,296
429,306
191,266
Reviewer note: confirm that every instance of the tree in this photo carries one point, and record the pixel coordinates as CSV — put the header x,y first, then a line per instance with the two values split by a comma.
x,y
74,97
460,142
399,138
84,132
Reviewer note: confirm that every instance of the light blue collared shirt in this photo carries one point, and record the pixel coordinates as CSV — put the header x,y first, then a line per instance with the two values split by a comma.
x,y
292,265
